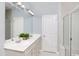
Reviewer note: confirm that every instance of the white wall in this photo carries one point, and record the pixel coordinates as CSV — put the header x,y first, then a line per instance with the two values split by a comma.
x,y
66,7
37,24
28,24
2,27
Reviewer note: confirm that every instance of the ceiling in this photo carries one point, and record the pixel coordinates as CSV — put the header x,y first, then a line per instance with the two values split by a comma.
x,y
40,8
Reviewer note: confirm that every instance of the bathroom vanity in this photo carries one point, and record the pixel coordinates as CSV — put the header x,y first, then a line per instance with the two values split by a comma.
x,y
29,47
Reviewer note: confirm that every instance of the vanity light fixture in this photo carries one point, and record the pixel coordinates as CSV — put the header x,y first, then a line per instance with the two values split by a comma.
x,y
22,6
30,12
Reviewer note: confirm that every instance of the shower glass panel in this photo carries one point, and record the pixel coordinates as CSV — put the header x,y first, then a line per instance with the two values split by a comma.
x,y
66,34
71,33
75,32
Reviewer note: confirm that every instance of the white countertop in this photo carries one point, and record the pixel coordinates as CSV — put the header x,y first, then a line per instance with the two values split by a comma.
x,y
24,44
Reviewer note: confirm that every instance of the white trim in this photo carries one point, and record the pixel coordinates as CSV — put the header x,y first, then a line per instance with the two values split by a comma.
x,y
71,11
49,52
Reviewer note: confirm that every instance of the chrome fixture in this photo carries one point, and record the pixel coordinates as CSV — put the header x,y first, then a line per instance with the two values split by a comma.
x,y
23,7
19,4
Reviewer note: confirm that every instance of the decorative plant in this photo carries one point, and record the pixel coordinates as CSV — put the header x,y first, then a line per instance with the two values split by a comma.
x,y
25,36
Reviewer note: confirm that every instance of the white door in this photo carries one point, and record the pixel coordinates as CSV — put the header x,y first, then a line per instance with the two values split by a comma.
x,y
49,33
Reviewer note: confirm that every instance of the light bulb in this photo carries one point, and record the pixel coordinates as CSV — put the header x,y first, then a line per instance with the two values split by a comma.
x,y
30,12
19,3
22,6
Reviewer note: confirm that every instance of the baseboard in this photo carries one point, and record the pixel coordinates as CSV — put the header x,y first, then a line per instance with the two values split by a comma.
x,y
62,51
50,51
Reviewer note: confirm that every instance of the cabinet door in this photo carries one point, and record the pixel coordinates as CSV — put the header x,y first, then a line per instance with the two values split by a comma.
x,y
34,49
28,52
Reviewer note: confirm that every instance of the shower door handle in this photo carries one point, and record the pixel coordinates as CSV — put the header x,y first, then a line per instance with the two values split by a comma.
x,y
71,38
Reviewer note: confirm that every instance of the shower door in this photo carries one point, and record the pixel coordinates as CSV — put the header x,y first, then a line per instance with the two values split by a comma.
x,y
66,34
71,33
75,32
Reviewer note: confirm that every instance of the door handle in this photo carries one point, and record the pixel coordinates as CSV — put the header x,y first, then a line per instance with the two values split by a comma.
x,y
70,38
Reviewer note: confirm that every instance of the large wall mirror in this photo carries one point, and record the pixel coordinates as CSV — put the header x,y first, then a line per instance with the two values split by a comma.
x,y
16,21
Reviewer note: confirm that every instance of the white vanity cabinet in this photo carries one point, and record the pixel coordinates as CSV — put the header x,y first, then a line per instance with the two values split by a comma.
x,y
30,47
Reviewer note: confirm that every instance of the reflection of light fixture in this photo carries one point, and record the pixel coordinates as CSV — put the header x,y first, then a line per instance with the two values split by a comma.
x,y
22,6
19,3
30,11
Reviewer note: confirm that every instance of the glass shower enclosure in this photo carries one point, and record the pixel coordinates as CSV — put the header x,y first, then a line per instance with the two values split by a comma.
x,y
66,34
71,33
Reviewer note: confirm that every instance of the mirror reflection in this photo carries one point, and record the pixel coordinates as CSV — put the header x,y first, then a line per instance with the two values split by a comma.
x,y
18,20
